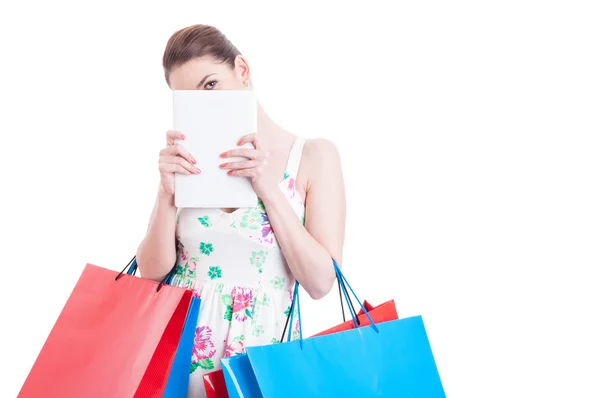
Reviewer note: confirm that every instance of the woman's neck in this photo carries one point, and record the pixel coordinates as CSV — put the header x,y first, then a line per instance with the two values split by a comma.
x,y
269,132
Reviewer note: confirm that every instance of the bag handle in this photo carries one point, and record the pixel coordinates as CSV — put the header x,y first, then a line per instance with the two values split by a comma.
x,y
340,286
132,267
344,282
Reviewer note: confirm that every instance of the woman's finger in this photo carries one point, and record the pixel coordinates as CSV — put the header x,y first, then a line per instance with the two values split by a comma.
x,y
173,135
248,153
178,150
253,172
172,168
243,164
248,138
179,161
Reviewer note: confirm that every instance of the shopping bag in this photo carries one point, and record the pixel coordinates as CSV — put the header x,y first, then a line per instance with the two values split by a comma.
x,y
238,375
179,376
214,384
115,337
391,359
381,313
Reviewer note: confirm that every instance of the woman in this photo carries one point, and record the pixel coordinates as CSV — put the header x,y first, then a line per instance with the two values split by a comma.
x,y
243,262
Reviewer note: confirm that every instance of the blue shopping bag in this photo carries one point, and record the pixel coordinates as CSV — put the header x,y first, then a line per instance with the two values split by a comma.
x,y
237,370
179,375
239,377
391,359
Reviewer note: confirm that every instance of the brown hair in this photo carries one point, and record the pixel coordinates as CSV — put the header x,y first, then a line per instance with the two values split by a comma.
x,y
197,41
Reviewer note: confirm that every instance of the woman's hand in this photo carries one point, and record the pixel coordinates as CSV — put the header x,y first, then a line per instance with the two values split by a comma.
x,y
174,159
253,167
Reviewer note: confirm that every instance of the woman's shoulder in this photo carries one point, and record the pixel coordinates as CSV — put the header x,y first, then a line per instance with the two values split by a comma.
x,y
318,155
320,152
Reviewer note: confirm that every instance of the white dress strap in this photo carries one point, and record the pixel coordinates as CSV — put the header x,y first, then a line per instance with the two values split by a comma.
x,y
295,157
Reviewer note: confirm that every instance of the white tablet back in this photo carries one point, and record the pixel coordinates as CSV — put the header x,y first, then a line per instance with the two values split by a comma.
x,y
213,121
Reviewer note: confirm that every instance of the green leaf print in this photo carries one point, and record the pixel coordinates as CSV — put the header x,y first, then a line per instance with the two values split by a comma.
x,y
248,313
232,225
287,311
204,221
274,341
258,330
180,270
215,272
228,313
266,300
258,259
226,299
278,283
219,287
255,311
251,220
286,175
193,367
206,364
206,248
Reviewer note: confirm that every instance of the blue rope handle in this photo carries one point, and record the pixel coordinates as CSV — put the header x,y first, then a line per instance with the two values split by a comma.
x,y
295,303
132,268
347,300
345,281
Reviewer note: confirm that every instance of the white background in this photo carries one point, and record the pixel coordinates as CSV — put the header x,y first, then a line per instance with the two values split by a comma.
x,y
469,138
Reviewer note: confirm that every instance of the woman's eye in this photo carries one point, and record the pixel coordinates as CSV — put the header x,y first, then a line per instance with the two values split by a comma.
x,y
210,85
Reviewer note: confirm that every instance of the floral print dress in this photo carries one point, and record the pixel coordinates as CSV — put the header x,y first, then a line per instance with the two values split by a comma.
x,y
232,261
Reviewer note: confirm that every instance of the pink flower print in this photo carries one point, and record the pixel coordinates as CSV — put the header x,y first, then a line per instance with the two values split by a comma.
x,y
203,347
267,234
236,347
183,253
192,264
291,188
266,231
242,303
296,331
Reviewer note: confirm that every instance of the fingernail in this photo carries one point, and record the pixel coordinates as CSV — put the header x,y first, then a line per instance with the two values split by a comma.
x,y
193,161
198,171
239,142
182,137
223,165
223,154
229,172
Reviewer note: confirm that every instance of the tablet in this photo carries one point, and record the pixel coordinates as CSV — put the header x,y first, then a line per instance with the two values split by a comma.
x,y
213,121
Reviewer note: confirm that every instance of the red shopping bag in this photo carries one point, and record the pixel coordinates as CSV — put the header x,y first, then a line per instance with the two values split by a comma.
x,y
214,382
381,313
115,337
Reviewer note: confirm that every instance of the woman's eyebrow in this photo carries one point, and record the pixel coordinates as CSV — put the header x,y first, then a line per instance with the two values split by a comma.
x,y
204,79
